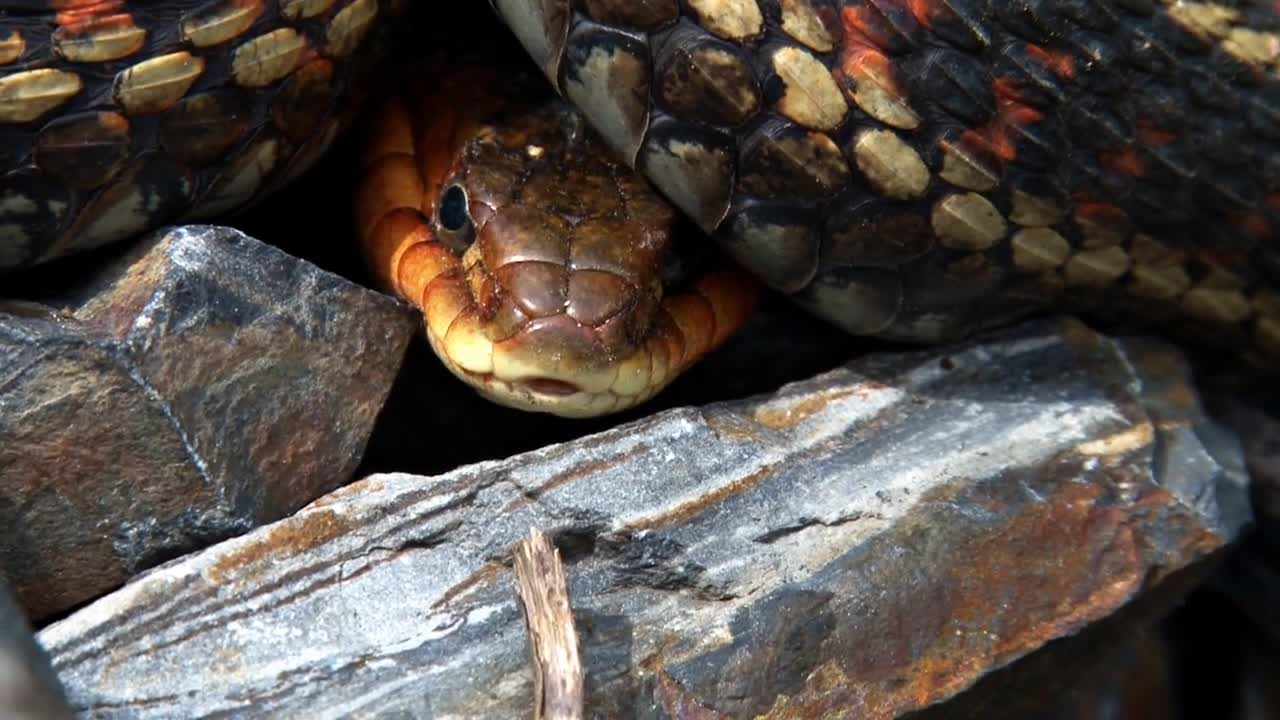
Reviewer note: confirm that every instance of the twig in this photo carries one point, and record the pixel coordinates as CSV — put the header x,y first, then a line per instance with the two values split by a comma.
x,y
548,619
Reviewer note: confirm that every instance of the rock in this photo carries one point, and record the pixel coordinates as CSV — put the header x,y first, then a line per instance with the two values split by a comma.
x,y
204,384
864,543
29,690
1120,668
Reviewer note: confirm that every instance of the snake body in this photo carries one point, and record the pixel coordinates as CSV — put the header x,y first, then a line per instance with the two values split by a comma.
x,y
119,116
921,169
910,169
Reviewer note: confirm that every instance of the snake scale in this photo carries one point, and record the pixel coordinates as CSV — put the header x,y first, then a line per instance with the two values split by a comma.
x,y
910,169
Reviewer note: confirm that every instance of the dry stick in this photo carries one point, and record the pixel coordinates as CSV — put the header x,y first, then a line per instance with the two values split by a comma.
x,y
553,640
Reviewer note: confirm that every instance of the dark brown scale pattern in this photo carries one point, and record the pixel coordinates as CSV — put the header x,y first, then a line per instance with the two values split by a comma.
x,y
567,238
90,156
1119,155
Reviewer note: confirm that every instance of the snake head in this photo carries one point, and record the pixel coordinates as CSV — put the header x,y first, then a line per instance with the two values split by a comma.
x,y
542,265
561,254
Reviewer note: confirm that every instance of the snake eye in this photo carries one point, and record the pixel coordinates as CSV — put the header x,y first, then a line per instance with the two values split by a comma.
x,y
454,217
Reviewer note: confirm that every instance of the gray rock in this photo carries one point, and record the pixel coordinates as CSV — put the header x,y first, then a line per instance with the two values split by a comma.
x,y
29,690
864,543
202,385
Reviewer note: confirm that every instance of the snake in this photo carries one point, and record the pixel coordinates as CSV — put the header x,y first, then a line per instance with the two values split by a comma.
x,y
915,170
546,270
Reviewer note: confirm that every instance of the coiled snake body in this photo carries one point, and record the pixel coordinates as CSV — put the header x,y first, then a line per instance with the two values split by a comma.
x,y
910,169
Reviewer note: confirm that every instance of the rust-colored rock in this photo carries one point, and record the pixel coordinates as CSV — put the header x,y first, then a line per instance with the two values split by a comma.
x,y
859,545
202,385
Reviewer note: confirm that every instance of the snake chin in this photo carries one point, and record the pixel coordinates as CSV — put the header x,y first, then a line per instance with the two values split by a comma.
x,y
565,402
548,395
543,393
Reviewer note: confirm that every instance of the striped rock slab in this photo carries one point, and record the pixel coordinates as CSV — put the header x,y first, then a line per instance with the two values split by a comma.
x,y
864,543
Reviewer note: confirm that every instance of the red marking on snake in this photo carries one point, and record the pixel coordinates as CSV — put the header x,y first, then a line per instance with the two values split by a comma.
x,y
73,6
1153,137
868,25
928,12
80,15
1257,223
924,10
1058,62
1001,134
1253,223
1125,162
96,16
861,64
1098,212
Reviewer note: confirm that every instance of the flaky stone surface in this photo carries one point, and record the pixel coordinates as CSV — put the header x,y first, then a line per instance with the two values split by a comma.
x,y
866,542
202,385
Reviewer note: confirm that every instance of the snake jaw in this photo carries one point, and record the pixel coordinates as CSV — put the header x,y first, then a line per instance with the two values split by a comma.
x,y
543,383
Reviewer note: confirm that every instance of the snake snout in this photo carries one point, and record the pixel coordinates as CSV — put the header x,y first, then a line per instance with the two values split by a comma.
x,y
556,331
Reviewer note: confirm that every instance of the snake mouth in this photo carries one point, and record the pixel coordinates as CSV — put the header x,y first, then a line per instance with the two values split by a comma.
x,y
550,386
552,395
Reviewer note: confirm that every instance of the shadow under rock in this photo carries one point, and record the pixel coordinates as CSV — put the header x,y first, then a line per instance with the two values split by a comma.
x,y
433,423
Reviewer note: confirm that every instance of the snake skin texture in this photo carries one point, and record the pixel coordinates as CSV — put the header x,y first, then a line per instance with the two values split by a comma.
x,y
117,116
919,170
